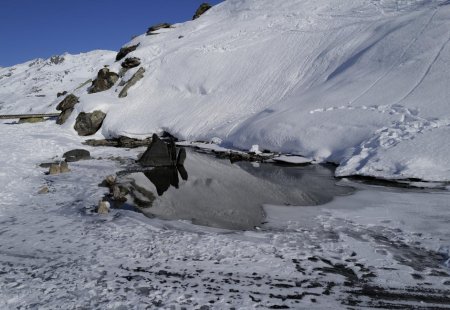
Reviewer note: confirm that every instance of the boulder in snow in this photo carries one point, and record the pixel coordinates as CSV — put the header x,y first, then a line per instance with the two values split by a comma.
x,y
76,155
131,62
68,103
61,94
134,79
201,10
157,154
89,123
124,51
104,81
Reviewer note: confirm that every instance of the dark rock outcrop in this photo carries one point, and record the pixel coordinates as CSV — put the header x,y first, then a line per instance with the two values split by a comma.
x,y
66,107
131,62
76,155
134,79
104,81
157,154
61,94
201,10
121,141
89,123
68,103
124,51
157,27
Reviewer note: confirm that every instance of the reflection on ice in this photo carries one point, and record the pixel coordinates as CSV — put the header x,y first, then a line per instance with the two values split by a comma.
x,y
220,194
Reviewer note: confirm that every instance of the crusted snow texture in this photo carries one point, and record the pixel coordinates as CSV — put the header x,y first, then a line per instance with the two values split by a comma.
x,y
355,82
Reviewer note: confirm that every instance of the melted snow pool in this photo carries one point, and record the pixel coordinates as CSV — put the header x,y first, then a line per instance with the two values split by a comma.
x,y
214,192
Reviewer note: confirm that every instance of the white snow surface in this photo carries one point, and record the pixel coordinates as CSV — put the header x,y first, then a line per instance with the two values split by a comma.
x,y
32,87
361,83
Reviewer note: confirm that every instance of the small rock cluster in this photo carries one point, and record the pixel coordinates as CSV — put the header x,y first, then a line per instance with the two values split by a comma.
x,y
66,107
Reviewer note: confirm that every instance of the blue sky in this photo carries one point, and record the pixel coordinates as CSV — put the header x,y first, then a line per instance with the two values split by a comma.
x,y
42,28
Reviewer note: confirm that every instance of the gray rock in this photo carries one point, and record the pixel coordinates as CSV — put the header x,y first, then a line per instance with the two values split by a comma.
x,y
181,157
62,118
54,169
89,123
68,103
103,207
61,94
104,81
131,62
157,154
134,79
157,27
76,155
43,190
201,10
31,120
64,167
124,51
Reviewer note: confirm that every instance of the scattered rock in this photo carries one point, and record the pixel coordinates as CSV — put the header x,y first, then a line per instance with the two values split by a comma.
x,y
111,180
68,102
76,155
131,62
201,10
61,94
157,27
43,190
124,51
103,207
122,141
89,123
157,154
64,167
31,120
134,79
56,60
64,116
54,169
104,81
67,107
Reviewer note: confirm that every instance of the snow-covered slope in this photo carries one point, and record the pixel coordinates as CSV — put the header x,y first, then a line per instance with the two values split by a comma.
x,y
363,83
33,86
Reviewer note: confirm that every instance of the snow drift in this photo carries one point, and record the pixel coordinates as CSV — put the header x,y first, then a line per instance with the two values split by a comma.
x,y
361,83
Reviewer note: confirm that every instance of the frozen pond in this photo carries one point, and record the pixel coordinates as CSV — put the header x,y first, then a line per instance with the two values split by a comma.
x,y
214,192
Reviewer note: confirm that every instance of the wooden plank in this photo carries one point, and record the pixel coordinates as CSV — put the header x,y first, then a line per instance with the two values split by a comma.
x,y
14,116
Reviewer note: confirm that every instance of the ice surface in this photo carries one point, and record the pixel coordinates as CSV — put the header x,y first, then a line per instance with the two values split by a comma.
x,y
54,253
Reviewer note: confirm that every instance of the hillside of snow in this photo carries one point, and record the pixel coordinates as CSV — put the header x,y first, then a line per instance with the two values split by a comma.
x,y
33,86
361,83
